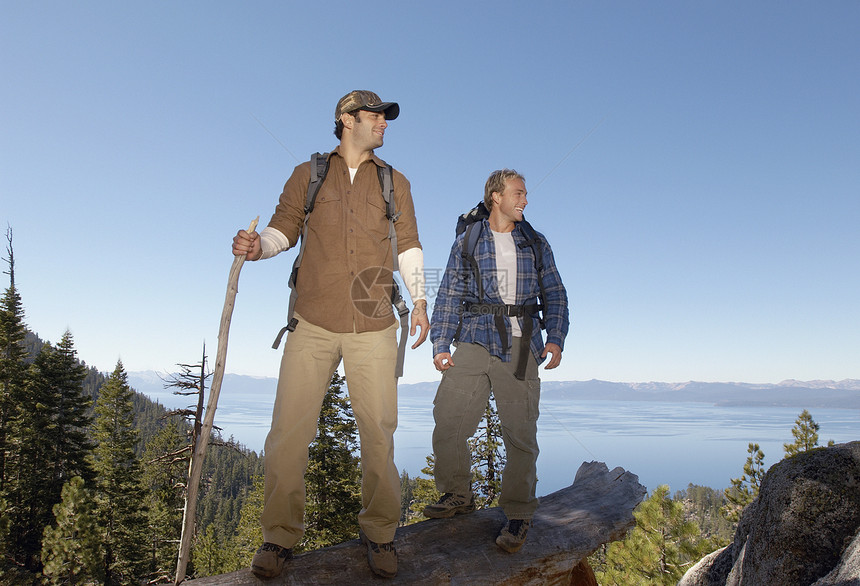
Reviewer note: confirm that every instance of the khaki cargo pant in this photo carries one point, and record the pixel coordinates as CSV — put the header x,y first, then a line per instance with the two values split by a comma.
x,y
311,355
458,408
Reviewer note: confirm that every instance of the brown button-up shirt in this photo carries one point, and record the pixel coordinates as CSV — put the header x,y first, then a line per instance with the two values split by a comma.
x,y
344,282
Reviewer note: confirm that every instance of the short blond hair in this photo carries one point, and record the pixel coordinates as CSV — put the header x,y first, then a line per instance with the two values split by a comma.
x,y
497,182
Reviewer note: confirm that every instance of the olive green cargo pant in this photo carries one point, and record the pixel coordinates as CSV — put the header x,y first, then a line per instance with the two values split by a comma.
x,y
458,408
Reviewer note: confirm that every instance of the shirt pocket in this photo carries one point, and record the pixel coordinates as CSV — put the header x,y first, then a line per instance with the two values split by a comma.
x,y
328,210
375,221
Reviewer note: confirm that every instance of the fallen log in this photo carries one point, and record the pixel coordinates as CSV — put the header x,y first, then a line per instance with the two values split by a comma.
x,y
569,525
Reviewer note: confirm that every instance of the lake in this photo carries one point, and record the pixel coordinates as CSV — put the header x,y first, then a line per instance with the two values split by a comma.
x,y
661,442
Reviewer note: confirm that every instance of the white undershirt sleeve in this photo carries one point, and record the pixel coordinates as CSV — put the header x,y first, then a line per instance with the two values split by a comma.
x,y
272,242
412,272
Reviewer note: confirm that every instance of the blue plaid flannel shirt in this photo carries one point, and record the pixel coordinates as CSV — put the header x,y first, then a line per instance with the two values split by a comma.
x,y
481,329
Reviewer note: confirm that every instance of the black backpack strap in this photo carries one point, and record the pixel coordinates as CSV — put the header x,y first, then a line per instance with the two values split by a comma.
x,y
319,170
470,244
467,254
532,240
386,183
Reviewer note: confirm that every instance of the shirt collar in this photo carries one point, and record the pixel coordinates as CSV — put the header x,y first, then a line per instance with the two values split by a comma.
x,y
377,161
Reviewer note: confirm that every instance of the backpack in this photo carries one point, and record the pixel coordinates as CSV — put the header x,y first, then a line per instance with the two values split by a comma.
x,y
470,224
319,170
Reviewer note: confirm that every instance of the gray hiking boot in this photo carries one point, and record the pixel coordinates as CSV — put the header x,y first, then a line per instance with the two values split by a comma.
x,y
381,557
513,535
449,505
269,560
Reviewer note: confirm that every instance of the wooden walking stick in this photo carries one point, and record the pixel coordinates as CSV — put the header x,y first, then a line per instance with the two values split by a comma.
x,y
195,466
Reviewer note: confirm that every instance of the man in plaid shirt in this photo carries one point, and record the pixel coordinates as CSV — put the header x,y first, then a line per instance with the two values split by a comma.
x,y
488,330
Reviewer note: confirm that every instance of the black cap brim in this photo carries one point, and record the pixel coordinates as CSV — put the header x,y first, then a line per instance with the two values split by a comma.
x,y
390,109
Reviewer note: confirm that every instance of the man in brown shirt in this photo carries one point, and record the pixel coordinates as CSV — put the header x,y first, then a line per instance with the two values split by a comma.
x,y
343,312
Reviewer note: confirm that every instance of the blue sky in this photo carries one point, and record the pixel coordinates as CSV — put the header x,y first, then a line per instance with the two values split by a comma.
x,y
706,228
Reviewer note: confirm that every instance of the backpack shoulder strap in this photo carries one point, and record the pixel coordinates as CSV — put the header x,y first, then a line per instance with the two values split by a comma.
x,y
532,240
386,184
319,170
470,244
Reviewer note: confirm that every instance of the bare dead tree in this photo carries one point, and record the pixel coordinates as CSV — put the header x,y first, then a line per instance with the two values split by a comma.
x,y
191,380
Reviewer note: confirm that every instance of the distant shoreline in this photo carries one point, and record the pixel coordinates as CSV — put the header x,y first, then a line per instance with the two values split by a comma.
x,y
843,394
791,394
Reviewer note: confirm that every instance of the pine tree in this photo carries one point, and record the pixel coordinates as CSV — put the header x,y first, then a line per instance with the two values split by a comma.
x,y
488,458
424,491
164,474
63,376
211,557
249,533
744,490
29,466
407,490
70,547
333,477
43,420
13,366
120,496
658,550
805,432
703,505
47,445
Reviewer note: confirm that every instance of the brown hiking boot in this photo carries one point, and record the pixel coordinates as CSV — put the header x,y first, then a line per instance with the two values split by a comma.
x,y
269,560
449,505
513,535
381,557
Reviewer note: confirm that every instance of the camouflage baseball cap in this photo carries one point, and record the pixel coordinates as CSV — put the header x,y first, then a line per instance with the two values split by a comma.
x,y
365,100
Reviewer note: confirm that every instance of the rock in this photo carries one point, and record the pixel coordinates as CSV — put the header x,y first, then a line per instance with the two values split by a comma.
x,y
801,530
569,525
709,571
847,572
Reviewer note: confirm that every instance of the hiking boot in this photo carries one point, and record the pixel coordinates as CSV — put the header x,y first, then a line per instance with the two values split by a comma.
x,y
449,505
269,560
381,557
513,535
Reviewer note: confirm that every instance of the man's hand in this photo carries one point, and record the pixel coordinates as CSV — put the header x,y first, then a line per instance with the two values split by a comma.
x,y
247,244
443,361
420,320
556,355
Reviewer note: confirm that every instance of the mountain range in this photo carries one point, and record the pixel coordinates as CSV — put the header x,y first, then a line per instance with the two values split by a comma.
x,y
844,394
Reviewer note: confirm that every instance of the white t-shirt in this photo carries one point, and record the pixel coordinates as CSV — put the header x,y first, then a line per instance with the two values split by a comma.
x,y
506,273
